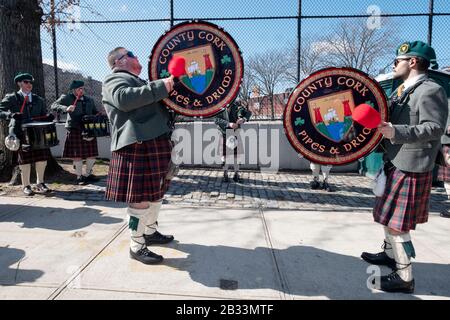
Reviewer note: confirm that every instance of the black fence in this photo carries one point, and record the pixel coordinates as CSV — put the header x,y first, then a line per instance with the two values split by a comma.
x,y
300,36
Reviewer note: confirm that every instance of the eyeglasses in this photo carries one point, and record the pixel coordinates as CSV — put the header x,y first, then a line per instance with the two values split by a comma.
x,y
396,61
28,82
129,54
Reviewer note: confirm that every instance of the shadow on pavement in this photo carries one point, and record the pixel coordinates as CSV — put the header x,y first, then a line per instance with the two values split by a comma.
x,y
60,219
307,271
12,276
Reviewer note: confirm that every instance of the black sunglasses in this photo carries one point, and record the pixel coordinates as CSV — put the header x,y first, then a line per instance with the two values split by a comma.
x,y
129,54
28,81
396,61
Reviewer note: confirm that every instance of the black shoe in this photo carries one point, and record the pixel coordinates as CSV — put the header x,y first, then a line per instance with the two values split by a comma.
x,y
393,283
379,259
314,184
437,184
327,187
92,178
81,181
237,178
225,177
146,256
157,238
27,191
445,214
42,188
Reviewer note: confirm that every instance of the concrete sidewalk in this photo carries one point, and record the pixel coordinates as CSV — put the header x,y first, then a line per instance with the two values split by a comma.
x,y
53,248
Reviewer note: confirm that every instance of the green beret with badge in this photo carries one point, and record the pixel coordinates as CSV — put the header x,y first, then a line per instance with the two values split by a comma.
x,y
418,49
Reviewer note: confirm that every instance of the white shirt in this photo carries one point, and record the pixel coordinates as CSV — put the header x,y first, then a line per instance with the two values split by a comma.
x,y
410,82
24,94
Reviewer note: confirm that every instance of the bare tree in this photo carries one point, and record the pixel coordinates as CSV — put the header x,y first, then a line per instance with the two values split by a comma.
x,y
247,84
312,58
269,70
20,50
355,45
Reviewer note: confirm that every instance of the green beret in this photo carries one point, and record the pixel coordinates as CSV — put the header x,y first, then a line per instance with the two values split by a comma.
x,y
23,76
76,84
418,49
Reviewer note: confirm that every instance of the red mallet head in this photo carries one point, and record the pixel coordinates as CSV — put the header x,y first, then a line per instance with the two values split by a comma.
x,y
177,66
366,116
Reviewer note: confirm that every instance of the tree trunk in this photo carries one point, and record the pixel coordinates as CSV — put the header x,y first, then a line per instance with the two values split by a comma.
x,y
20,51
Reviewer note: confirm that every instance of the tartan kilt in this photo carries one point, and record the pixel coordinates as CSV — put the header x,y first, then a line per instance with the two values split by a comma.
x,y
33,156
76,147
137,172
444,171
406,200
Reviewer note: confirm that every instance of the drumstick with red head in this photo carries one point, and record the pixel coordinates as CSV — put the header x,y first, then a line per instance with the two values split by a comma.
x,y
177,67
366,116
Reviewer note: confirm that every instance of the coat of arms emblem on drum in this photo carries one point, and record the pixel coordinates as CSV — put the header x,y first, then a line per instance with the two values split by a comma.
x,y
213,68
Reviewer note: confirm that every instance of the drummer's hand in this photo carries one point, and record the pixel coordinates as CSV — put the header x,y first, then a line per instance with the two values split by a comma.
x,y
233,125
240,121
70,108
168,82
387,130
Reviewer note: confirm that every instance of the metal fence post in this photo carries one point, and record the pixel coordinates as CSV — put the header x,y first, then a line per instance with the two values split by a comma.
x,y
299,38
430,22
55,56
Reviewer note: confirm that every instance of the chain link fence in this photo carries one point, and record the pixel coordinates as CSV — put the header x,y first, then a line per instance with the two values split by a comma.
x,y
301,36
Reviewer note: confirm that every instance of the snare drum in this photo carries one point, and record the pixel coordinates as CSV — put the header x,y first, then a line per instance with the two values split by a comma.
x,y
95,126
40,135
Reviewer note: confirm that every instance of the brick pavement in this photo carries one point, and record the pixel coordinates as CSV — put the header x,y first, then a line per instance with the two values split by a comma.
x,y
283,190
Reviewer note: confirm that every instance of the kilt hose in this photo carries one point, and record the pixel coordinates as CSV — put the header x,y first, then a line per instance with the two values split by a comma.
x,y
137,172
444,171
406,200
76,147
32,156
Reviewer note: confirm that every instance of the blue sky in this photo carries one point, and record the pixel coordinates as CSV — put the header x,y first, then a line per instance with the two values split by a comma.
x,y
85,49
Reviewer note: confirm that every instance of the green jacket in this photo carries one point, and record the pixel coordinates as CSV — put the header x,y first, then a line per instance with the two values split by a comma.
x,y
419,119
85,106
12,103
134,109
231,115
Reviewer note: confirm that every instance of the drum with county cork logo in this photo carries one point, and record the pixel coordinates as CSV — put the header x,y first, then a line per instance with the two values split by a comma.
x,y
318,116
213,68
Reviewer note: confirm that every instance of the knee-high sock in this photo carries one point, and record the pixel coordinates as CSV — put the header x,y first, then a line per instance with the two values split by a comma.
x,y
315,168
447,189
25,170
89,165
326,172
151,218
40,171
136,224
78,164
403,252
387,244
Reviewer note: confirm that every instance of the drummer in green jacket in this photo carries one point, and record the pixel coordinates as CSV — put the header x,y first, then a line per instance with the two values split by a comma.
x,y
76,147
23,107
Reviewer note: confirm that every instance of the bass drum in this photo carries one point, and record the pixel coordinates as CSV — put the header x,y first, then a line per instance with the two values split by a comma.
x,y
318,119
214,68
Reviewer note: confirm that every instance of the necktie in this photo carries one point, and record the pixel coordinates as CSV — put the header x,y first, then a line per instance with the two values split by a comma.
x,y
400,90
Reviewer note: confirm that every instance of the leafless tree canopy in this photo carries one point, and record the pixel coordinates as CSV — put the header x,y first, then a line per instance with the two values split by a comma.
x,y
355,45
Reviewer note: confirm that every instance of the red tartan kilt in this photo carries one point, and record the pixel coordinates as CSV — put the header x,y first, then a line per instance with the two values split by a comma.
x,y
76,147
406,200
137,172
444,171
33,156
